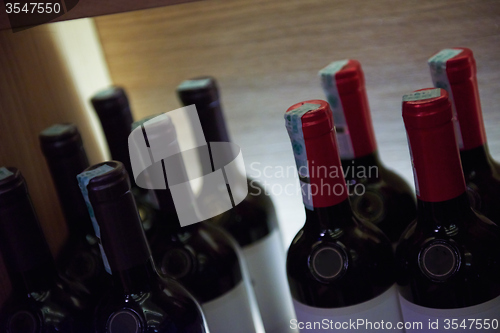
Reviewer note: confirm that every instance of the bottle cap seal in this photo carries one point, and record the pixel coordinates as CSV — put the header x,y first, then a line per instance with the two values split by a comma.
x,y
60,140
109,101
344,85
200,90
433,147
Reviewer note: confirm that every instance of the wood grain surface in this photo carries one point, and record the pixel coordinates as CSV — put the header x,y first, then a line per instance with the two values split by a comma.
x,y
47,75
266,55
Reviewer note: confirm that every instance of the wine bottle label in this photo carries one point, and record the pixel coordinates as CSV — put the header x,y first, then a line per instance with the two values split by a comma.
x,y
329,84
437,65
230,312
4,173
194,84
293,122
380,314
265,260
83,180
460,320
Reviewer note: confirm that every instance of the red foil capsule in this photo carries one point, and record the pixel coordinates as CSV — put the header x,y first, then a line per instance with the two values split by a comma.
x,y
436,162
455,71
323,182
344,86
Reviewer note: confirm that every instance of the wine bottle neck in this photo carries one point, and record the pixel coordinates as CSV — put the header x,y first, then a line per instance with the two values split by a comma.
x,y
166,204
455,71
204,94
476,159
326,185
365,167
214,128
468,112
213,122
333,218
22,243
137,279
176,181
64,170
121,232
344,86
435,158
314,144
165,201
117,126
445,215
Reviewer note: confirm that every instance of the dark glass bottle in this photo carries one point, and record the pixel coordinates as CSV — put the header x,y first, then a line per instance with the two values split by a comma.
x,y
113,109
80,258
202,257
41,301
449,258
455,71
140,300
377,194
253,222
339,267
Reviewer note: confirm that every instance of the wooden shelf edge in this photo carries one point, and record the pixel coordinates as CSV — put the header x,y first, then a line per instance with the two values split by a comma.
x,y
93,8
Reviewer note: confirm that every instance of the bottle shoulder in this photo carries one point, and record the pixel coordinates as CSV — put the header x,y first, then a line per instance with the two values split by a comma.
x,y
483,189
165,307
62,308
80,261
450,267
456,225
351,265
355,234
200,256
380,196
252,219
471,229
201,238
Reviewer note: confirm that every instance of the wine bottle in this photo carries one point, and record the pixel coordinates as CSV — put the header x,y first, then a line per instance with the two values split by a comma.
x,y
113,109
41,301
140,300
202,257
454,70
340,268
79,258
253,222
449,258
377,195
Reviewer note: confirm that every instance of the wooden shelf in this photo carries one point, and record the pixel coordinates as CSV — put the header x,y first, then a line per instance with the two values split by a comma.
x,y
265,56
